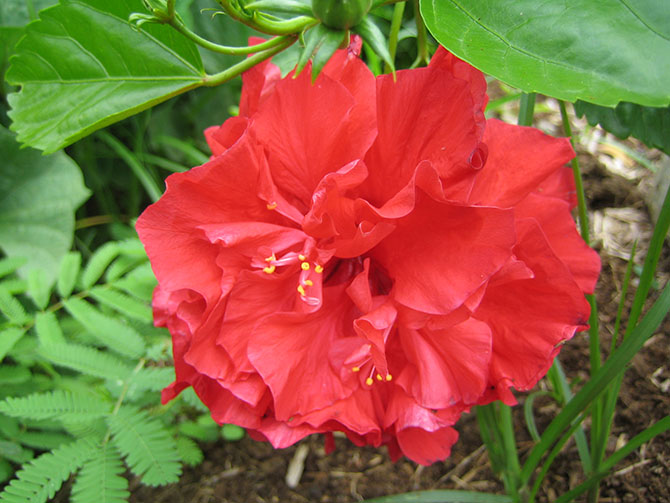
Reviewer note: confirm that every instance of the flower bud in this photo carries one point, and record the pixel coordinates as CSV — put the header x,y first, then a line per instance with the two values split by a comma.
x,y
340,14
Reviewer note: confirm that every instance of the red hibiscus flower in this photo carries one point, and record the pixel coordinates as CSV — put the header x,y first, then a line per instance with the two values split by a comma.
x,y
368,256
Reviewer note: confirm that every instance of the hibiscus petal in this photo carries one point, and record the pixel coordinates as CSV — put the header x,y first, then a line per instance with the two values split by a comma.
x,y
427,447
556,221
304,342
519,159
441,254
449,365
428,114
529,318
327,131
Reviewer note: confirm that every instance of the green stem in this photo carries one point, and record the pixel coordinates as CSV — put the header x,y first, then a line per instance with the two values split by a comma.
x,y
422,57
526,109
170,9
250,62
512,466
224,49
259,22
396,23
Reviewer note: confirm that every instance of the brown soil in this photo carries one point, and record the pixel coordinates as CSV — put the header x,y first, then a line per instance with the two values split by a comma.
x,y
252,472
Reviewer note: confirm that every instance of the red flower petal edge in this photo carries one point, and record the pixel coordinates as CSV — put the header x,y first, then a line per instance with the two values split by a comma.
x,y
367,256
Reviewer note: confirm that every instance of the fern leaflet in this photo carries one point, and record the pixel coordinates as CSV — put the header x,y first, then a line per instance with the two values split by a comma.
x,y
100,479
8,338
150,451
86,360
59,404
39,479
48,330
98,263
10,264
67,276
12,308
189,452
123,303
109,331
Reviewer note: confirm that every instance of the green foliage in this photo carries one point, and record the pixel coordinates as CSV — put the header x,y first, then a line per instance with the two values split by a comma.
x,y
38,196
648,124
150,451
61,102
570,50
80,386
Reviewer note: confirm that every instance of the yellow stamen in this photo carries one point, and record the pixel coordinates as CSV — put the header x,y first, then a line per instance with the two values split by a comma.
x,y
355,369
318,269
369,381
269,270
301,290
272,205
301,257
308,282
379,377
305,266
271,258
389,377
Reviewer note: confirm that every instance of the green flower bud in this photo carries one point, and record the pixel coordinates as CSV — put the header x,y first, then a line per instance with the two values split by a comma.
x,y
340,14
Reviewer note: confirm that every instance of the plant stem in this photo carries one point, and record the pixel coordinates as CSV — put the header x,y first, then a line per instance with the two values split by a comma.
x,y
422,57
242,66
526,109
396,23
259,22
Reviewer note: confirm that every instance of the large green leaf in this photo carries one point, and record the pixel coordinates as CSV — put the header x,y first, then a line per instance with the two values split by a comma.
x,y
38,196
82,66
602,51
648,124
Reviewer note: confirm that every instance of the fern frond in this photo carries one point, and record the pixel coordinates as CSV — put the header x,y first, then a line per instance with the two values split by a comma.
x,y
189,452
100,480
12,308
122,265
67,276
48,329
39,479
109,331
150,451
39,288
152,378
14,285
140,282
9,337
59,404
98,263
87,360
122,303
10,264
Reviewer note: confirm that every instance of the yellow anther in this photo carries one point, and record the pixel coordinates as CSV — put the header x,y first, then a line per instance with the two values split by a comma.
x,y
272,205
318,269
269,269
304,266
271,258
369,381
355,369
379,377
308,282
301,290
301,257
389,377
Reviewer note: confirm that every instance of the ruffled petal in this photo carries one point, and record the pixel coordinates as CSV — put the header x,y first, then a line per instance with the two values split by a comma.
x,y
427,447
441,254
519,159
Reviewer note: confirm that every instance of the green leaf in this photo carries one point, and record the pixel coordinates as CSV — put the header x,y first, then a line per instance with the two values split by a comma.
x,y
12,309
14,374
67,275
87,360
98,262
150,451
39,288
648,124
101,480
59,404
123,303
189,452
6,470
232,432
109,331
443,496
10,264
602,52
139,283
8,338
38,196
43,440
83,67
374,37
39,480
48,329
15,452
